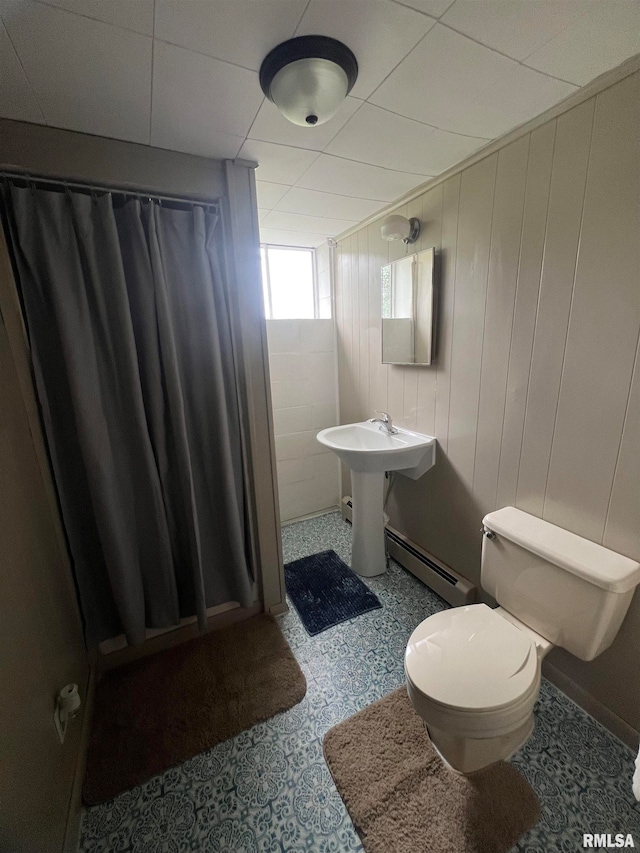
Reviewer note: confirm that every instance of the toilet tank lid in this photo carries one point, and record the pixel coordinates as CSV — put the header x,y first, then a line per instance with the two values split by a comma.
x,y
581,557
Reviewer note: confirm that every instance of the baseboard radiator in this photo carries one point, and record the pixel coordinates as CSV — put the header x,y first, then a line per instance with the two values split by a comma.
x,y
440,578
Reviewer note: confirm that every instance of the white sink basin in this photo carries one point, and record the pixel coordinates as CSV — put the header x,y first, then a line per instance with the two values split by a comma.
x,y
369,452
365,447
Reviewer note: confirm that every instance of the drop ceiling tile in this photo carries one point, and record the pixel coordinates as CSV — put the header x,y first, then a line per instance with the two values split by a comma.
x,y
17,100
86,75
596,42
307,224
446,149
195,139
269,194
379,34
195,96
516,29
519,97
333,174
132,15
315,203
435,8
467,88
385,139
271,126
279,164
291,238
262,213
239,32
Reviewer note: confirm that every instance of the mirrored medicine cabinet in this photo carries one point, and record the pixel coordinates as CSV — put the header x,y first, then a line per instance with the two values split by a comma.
x,y
408,309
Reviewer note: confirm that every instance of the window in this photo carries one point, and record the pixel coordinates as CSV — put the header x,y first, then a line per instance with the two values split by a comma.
x,y
288,283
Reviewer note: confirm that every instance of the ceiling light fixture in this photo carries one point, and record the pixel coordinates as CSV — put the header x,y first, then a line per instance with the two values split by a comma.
x,y
308,77
396,227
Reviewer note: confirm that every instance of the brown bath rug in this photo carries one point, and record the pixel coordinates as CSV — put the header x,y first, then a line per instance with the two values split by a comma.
x,y
160,710
402,798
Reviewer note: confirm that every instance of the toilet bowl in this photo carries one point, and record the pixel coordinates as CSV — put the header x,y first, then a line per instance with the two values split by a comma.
x,y
473,673
474,677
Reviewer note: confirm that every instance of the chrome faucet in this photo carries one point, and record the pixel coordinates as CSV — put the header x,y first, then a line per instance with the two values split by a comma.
x,y
386,424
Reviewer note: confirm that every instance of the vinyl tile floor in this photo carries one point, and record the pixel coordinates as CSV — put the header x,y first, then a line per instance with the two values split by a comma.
x,y
268,790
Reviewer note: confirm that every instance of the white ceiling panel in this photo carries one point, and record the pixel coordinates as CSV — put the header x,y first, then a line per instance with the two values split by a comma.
x,y
210,95
270,194
515,28
271,126
238,32
17,101
307,224
130,14
87,75
435,8
316,203
384,139
291,238
598,41
379,34
278,164
335,175
525,94
469,88
193,138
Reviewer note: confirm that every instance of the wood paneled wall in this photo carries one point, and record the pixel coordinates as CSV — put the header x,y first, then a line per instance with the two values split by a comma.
x,y
535,397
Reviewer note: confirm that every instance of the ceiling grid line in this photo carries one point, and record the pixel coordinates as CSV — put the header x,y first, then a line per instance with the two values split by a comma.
x,y
421,12
200,52
426,123
508,56
406,55
88,17
367,163
300,19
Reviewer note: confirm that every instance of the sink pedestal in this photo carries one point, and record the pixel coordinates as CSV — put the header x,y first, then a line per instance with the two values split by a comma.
x,y
368,557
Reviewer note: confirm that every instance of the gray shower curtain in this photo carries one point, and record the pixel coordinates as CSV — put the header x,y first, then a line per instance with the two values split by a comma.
x,y
130,327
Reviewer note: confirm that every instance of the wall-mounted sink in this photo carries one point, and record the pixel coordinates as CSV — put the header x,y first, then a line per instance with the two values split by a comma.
x,y
369,450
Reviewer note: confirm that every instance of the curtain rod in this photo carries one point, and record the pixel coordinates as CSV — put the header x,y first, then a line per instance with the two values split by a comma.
x,y
101,188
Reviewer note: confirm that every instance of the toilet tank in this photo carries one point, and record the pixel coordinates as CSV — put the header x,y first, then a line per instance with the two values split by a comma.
x,y
571,590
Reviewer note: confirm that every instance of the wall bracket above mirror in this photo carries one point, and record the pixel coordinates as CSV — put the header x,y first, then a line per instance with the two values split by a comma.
x,y
409,309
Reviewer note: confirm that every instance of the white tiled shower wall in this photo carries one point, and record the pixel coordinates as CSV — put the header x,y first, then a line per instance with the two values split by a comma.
x,y
302,360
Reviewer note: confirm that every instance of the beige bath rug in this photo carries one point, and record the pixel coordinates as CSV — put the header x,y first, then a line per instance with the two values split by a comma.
x,y
163,709
403,799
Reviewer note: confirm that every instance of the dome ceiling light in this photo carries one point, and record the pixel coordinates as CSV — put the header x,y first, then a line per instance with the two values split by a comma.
x,y
308,77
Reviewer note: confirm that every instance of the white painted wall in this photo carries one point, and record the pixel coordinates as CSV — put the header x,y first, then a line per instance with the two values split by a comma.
x,y
302,360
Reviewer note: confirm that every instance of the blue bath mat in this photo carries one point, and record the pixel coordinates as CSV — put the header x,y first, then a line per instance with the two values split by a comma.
x,y
325,592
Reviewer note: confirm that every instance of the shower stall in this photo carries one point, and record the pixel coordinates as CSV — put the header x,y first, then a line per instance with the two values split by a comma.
x,y
133,352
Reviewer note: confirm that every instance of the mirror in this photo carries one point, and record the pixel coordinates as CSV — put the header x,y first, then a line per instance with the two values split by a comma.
x,y
408,309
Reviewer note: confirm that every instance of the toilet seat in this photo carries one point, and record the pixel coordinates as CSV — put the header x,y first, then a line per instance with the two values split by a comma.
x,y
472,672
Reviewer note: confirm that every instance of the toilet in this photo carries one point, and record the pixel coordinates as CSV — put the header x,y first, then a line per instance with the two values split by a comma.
x,y
473,672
